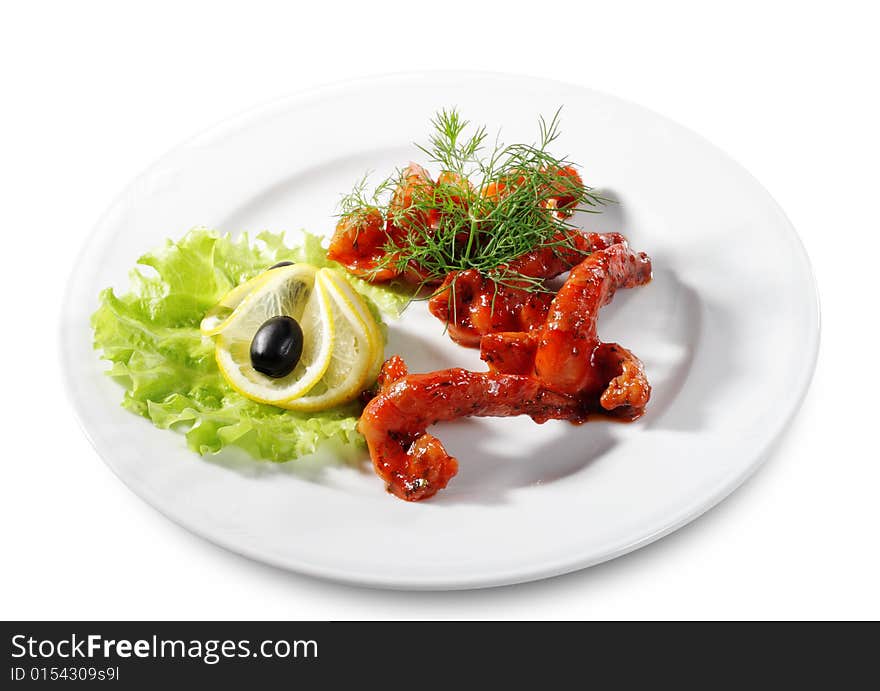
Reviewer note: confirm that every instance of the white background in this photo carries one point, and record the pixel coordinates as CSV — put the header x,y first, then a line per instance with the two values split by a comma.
x,y
93,92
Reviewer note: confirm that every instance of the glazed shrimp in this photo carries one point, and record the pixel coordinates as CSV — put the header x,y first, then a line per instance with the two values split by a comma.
x,y
557,371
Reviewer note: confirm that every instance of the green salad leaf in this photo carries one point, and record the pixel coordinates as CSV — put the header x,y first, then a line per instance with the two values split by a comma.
x,y
151,337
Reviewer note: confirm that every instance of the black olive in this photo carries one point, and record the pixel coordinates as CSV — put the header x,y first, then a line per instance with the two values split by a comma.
x,y
279,265
277,346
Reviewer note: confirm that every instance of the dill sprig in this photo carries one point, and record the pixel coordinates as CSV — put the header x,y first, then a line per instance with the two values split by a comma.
x,y
445,145
488,206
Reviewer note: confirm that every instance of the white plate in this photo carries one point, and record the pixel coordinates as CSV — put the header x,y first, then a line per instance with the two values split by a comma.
x,y
728,331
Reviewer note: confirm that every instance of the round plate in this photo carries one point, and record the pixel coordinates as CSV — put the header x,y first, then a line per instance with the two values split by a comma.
x,y
728,331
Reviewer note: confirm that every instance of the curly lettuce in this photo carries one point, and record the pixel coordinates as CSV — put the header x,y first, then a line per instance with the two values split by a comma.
x,y
151,337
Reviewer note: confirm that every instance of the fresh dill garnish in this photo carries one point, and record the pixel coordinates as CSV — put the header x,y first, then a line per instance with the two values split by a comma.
x,y
487,207
445,148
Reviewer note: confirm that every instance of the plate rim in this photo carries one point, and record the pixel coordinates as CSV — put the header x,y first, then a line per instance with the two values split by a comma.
x,y
495,578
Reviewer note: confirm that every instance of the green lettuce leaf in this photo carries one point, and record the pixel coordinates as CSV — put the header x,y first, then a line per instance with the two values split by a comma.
x,y
151,337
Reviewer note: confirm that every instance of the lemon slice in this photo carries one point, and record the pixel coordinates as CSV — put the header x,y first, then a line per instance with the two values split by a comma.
x,y
217,317
357,348
342,290
292,291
